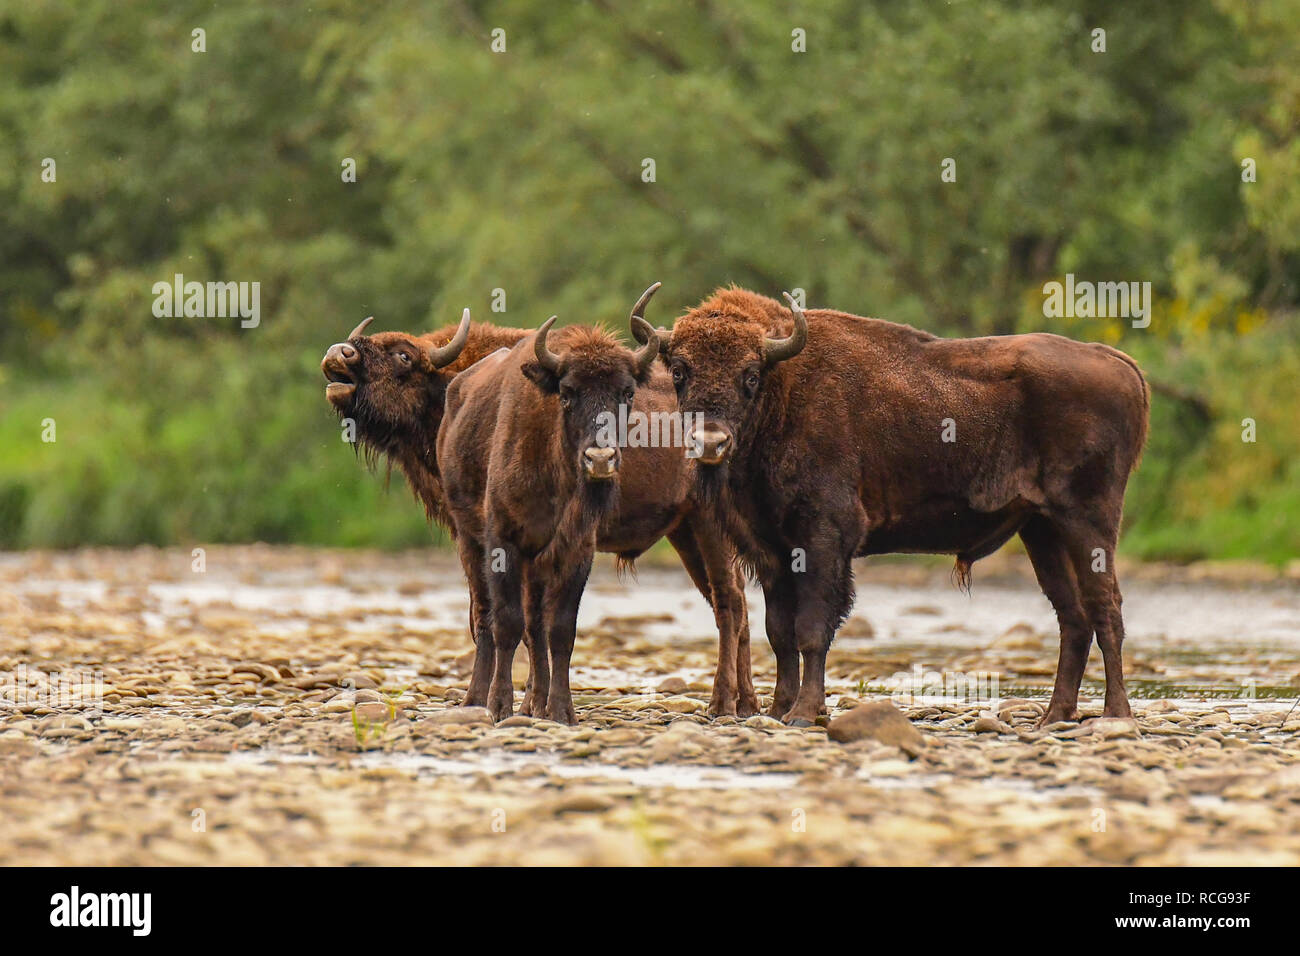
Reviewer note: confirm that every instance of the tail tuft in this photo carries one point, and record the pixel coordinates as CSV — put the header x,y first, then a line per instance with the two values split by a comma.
x,y
624,565
961,574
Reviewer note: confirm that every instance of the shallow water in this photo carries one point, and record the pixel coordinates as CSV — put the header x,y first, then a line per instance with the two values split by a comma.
x,y
287,772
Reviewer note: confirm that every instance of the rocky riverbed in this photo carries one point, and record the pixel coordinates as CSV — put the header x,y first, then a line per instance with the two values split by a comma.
x,y
289,706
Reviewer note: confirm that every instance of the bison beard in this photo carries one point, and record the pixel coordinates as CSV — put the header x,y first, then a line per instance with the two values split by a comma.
x,y
836,451
396,406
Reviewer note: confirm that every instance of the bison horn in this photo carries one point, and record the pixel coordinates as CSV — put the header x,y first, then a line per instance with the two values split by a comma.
x,y
441,355
642,330
360,330
545,357
645,355
778,350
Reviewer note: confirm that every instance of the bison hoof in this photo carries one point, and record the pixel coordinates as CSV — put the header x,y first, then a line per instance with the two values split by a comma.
x,y
722,709
500,709
561,712
747,708
1056,715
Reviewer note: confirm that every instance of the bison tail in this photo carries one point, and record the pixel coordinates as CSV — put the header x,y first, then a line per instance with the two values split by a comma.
x,y
624,565
1140,432
961,573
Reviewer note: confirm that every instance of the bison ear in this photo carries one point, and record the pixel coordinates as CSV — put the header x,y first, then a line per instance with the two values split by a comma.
x,y
542,377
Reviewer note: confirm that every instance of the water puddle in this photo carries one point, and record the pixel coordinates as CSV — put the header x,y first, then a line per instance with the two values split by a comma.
x,y
672,776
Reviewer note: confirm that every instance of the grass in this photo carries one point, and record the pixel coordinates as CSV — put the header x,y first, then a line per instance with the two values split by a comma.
x,y
195,457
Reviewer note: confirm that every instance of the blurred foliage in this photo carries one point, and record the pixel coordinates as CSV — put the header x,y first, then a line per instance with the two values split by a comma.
x,y
522,170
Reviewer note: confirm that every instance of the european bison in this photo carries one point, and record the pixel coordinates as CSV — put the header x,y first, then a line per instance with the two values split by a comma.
x,y
827,436
528,480
393,387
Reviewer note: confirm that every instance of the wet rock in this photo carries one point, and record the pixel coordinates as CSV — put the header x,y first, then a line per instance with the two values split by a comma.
x,y
857,626
1110,728
372,712
1018,707
1059,726
988,724
878,720
465,716
582,803
672,685
518,720
1019,637
263,672
682,705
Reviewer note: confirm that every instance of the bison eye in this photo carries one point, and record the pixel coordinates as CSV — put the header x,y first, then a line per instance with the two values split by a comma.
x,y
566,400
751,382
678,375
628,396
404,358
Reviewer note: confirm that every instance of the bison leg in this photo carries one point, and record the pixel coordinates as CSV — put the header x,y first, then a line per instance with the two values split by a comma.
x,y
1093,553
506,588
1052,567
747,702
562,599
778,599
539,656
823,599
480,621
709,565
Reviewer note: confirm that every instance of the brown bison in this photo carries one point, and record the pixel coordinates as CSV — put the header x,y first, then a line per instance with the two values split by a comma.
x,y
393,387
828,436
528,481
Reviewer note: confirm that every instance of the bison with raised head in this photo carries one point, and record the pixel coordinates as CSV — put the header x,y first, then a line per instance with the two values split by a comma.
x,y
528,482
826,436
393,385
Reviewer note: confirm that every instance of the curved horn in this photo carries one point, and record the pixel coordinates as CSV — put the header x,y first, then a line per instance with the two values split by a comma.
x,y
641,329
446,354
645,355
638,310
360,330
545,357
778,350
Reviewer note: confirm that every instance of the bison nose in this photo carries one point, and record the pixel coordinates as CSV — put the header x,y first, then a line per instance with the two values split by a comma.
x,y
343,352
711,445
339,368
600,463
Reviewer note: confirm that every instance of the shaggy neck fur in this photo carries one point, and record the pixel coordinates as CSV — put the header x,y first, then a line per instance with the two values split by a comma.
x,y
412,450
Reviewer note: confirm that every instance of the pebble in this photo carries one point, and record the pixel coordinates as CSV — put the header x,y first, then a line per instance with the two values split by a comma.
x,y
988,724
878,720
247,714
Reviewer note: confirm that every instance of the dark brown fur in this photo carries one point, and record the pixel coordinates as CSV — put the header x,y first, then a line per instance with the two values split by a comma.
x,y
397,407
838,452
397,410
510,450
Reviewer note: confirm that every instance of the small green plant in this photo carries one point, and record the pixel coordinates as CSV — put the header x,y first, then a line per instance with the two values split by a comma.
x,y
367,731
391,696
